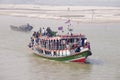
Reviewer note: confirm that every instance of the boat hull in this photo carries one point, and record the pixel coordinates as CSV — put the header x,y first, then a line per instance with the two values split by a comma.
x,y
77,57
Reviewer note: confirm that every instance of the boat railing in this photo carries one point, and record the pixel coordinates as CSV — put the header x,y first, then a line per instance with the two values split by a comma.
x,y
58,53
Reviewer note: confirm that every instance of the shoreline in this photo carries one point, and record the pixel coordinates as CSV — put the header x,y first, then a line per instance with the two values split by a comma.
x,y
82,14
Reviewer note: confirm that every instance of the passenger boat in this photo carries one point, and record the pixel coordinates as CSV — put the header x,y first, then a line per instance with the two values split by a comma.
x,y
64,47
23,28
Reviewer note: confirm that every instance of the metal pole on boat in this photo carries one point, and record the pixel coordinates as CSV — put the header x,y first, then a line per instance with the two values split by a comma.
x,y
54,44
49,44
57,44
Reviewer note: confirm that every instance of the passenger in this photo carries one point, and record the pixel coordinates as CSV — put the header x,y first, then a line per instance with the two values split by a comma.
x,y
37,41
87,45
37,34
83,41
70,45
40,30
60,45
32,41
67,46
77,49
34,34
43,31
49,32
57,44
49,44
74,46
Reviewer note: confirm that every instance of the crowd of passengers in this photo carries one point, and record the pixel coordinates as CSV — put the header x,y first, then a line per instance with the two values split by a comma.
x,y
66,43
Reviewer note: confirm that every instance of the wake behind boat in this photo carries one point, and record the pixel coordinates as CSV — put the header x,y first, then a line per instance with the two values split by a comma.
x,y
68,47
23,28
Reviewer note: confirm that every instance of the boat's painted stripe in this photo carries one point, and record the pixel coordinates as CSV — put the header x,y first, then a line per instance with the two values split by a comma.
x,y
82,59
76,57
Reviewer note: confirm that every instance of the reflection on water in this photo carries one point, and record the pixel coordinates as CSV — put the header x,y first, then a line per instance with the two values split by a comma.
x,y
18,63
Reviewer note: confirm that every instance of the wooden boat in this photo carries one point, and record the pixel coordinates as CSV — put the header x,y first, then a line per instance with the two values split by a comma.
x,y
23,28
68,48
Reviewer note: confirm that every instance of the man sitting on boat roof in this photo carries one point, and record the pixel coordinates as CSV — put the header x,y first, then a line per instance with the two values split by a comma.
x,y
48,32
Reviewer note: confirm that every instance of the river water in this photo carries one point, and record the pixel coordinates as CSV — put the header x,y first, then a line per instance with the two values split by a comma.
x,y
17,62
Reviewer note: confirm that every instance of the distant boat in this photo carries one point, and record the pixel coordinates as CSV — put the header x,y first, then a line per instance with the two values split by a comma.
x,y
67,48
23,28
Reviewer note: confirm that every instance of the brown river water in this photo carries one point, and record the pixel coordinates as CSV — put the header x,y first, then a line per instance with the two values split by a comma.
x,y
17,62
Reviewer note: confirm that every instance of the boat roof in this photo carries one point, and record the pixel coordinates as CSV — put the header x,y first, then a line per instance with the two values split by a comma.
x,y
59,37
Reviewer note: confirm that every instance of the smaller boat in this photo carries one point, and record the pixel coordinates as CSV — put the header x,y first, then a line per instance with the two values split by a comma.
x,y
23,28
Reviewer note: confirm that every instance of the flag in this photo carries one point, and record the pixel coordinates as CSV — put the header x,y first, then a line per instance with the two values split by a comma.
x,y
60,28
68,21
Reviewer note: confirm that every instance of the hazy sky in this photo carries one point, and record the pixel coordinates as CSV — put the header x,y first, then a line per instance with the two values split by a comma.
x,y
66,2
